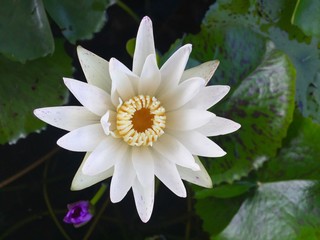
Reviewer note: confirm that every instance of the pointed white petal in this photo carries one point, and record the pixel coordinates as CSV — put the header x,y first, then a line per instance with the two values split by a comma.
x,y
173,150
168,174
105,123
143,164
83,139
172,69
91,97
123,178
218,126
95,68
104,156
81,181
205,71
120,80
144,45
144,199
208,96
66,117
198,144
187,119
200,178
182,94
150,77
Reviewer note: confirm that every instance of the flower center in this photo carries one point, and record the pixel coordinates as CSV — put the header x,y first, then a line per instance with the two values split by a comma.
x,y
141,120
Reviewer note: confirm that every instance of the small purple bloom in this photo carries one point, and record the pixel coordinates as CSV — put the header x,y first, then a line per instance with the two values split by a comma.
x,y
79,213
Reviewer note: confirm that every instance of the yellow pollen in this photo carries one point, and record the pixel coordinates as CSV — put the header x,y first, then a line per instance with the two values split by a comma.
x,y
141,120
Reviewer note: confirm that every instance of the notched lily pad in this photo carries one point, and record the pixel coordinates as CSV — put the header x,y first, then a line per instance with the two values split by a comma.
x,y
273,21
299,156
25,87
25,32
263,105
78,20
307,17
226,190
277,211
263,84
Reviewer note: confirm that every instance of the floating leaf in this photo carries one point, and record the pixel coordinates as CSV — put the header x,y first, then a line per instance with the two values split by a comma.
x,y
217,213
24,30
78,20
226,190
262,101
277,211
299,155
224,44
25,87
272,21
307,17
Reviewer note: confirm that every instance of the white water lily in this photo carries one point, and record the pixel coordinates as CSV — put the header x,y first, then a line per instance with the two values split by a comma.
x,y
135,125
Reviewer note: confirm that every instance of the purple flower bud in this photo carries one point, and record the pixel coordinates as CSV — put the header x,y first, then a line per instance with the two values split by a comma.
x,y
79,213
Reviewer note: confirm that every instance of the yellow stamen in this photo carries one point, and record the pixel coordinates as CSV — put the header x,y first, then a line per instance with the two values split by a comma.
x,y
141,120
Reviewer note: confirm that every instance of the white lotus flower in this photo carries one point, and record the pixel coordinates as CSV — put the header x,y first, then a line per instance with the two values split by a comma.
x,y
135,125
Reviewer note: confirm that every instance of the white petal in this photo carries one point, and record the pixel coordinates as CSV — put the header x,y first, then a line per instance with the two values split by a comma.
x,y
66,117
168,174
108,122
91,97
173,150
182,94
144,199
104,156
83,139
150,77
200,178
205,71
187,119
123,178
208,96
120,80
144,45
81,181
105,123
172,69
198,144
95,68
218,126
143,164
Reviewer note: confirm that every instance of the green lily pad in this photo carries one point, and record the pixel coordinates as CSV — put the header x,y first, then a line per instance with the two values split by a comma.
x,y
78,20
217,213
262,101
223,44
307,17
24,87
225,190
24,30
273,21
277,211
299,156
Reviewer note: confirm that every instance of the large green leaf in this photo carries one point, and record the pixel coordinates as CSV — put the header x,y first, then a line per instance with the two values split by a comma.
x,y
299,157
24,30
307,16
224,44
225,190
276,211
272,20
78,20
262,102
217,213
25,87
